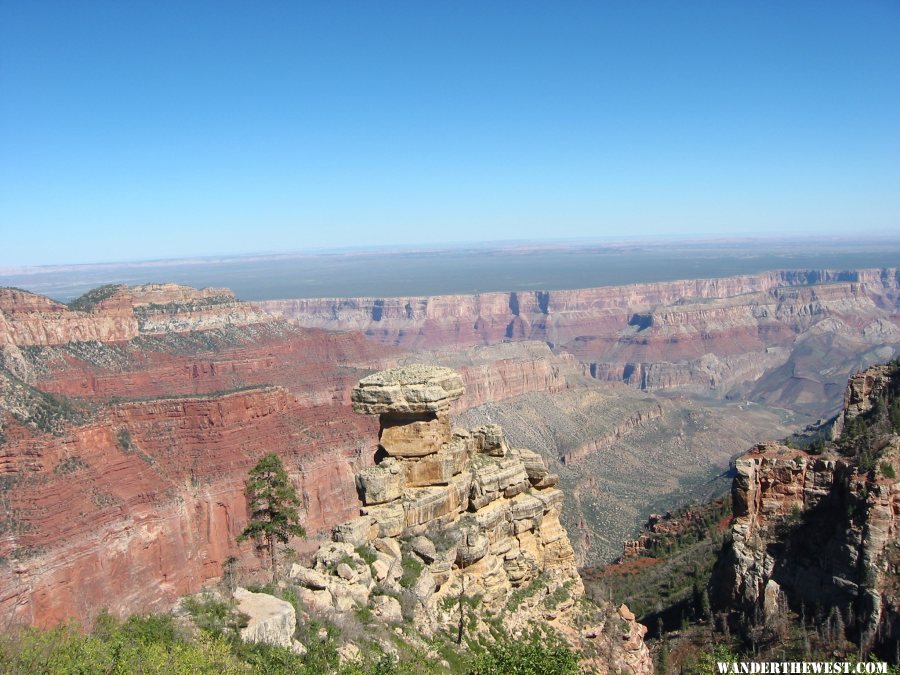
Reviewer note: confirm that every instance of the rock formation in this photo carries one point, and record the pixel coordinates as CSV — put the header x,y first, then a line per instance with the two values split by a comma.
x,y
451,515
820,529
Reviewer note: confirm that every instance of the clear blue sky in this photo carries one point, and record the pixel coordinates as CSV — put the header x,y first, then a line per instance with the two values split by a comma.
x,y
134,130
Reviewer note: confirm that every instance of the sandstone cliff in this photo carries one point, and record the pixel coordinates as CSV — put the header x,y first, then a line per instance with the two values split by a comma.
x,y
143,504
821,530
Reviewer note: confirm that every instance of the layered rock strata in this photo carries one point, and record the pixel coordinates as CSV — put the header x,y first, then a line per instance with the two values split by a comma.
x,y
817,531
808,330
173,402
450,515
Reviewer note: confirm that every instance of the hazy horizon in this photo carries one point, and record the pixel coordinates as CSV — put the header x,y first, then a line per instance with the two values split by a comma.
x,y
468,268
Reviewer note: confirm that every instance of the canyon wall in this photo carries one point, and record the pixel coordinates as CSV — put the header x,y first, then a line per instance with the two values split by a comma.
x,y
708,336
143,504
820,531
553,316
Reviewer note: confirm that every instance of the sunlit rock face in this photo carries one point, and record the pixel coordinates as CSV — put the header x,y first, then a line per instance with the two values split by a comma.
x,y
448,514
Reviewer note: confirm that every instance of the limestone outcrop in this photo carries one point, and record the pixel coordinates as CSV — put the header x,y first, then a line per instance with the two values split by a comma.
x,y
117,313
450,517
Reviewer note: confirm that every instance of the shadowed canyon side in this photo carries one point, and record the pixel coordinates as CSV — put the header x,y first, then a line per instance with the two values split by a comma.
x,y
795,334
623,454
817,530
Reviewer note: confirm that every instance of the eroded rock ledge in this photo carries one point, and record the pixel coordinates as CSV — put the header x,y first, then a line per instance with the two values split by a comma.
x,y
452,516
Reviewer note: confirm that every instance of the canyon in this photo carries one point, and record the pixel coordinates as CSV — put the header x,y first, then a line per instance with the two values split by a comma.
x,y
711,337
130,417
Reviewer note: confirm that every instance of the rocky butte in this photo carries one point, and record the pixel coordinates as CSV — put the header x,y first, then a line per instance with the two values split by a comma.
x,y
819,530
453,518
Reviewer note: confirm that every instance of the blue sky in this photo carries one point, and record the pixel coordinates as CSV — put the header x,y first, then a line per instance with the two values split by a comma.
x,y
134,130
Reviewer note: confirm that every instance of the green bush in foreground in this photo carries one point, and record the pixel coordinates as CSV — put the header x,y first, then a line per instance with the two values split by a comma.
x,y
534,654
156,645
137,646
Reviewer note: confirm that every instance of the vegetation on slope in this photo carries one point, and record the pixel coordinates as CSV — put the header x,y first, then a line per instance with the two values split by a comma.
x,y
34,408
164,644
666,586
86,302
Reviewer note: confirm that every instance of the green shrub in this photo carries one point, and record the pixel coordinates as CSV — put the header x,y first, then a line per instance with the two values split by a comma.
x,y
412,568
367,553
215,616
533,653
123,440
93,297
887,470
557,597
140,645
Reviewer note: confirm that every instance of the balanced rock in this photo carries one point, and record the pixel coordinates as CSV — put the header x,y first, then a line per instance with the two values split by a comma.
x,y
415,388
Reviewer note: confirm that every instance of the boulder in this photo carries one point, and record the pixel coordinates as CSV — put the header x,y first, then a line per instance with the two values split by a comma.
x,y
387,608
534,464
547,481
415,388
334,553
489,440
389,519
472,549
349,653
424,587
424,548
309,578
381,568
319,601
388,546
272,620
516,489
356,532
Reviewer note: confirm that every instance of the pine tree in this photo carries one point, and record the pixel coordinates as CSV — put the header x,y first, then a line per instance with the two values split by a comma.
x,y
273,504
